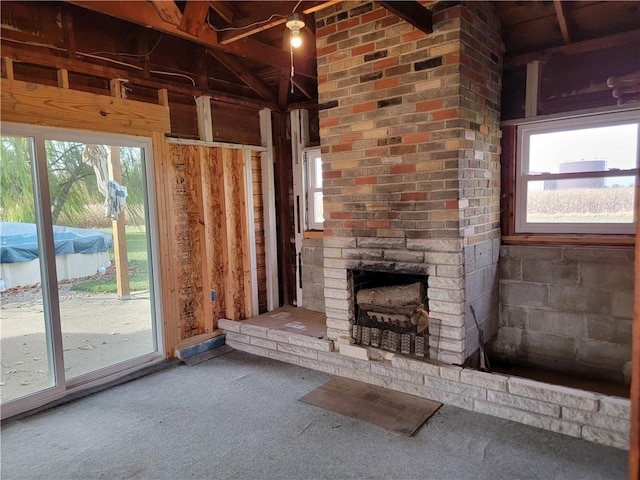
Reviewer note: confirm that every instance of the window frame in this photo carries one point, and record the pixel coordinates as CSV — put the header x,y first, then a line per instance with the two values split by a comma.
x,y
524,131
309,182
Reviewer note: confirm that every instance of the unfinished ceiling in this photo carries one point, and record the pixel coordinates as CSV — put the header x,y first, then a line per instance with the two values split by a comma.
x,y
238,51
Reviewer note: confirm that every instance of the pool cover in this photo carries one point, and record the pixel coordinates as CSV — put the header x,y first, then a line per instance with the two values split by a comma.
x,y
19,241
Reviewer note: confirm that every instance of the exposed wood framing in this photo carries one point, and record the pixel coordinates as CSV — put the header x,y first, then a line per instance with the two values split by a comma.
x,y
24,102
255,23
168,11
205,121
532,89
119,234
558,5
224,11
413,13
634,430
244,75
163,97
251,281
194,17
63,78
143,13
268,193
8,68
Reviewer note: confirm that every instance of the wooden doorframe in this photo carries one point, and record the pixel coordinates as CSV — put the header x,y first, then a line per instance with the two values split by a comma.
x,y
634,431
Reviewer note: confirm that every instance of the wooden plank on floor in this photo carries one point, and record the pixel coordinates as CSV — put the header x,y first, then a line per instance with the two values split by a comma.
x,y
391,410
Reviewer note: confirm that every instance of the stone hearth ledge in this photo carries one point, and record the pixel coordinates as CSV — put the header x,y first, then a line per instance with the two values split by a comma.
x,y
591,416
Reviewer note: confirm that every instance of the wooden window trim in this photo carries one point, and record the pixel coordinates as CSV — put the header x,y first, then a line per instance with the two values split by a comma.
x,y
507,207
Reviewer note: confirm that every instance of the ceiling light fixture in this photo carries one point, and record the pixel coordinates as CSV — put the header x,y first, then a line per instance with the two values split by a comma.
x,y
294,23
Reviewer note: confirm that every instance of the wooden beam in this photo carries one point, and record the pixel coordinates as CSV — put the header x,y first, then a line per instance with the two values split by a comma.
x,y
45,59
283,88
194,17
163,97
558,5
168,11
532,89
143,13
205,121
256,24
24,102
67,29
413,13
244,75
222,9
251,261
63,78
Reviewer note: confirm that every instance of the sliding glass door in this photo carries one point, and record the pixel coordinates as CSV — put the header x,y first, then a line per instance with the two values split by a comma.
x,y
78,299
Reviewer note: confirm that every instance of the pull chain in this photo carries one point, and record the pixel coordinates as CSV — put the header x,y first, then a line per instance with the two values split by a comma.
x,y
292,69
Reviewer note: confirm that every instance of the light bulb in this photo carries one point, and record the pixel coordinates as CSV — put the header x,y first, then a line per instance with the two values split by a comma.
x,y
296,40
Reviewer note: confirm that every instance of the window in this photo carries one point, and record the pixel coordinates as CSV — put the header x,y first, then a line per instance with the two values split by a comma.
x,y
313,189
578,175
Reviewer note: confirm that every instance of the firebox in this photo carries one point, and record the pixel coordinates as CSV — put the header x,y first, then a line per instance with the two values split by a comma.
x,y
391,312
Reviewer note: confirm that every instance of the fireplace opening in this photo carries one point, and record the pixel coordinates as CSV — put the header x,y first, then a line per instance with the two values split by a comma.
x,y
391,312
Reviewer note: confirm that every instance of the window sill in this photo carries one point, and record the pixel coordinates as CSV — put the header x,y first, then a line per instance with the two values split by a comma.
x,y
590,240
313,234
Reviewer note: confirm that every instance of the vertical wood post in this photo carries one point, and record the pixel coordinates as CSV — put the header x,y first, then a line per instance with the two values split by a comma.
x,y
205,125
8,68
118,225
251,279
269,203
63,78
634,430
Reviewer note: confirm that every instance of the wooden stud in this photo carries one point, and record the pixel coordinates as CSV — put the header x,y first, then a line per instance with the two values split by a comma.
x,y
194,17
634,430
8,68
297,166
163,97
168,11
63,78
119,232
205,123
562,20
252,308
268,193
532,89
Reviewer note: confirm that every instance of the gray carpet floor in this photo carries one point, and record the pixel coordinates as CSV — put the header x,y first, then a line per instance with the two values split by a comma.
x,y
238,416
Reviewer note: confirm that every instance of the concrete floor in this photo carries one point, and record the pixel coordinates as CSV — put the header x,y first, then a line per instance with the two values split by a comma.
x,y
238,416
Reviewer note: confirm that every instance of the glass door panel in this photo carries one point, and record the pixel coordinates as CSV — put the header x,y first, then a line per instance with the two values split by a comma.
x,y
98,203
25,336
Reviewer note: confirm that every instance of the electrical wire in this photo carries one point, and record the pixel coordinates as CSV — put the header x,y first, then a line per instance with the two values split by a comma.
x,y
134,54
254,24
296,7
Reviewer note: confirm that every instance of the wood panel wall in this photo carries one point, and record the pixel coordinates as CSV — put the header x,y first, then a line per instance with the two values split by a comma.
x,y
208,251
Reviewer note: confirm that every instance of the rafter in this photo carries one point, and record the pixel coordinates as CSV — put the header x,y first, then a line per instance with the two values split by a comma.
x,y
194,17
168,11
224,11
562,20
143,13
253,25
413,13
244,74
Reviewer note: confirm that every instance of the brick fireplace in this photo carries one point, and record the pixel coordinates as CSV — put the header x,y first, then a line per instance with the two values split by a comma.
x,y
409,129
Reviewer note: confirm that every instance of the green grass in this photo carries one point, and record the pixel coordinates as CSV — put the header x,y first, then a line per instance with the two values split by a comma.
x,y
138,267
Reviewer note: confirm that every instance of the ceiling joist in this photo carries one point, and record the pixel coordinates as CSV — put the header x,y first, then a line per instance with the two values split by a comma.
x,y
168,11
194,17
222,9
244,74
143,13
562,21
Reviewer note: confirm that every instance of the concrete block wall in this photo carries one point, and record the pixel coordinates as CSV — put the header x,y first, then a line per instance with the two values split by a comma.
x,y
567,308
313,274
594,417
409,132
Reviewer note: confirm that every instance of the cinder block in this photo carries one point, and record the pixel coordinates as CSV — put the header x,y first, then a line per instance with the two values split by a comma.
x,y
622,305
579,299
548,345
493,381
229,325
521,403
553,272
603,354
528,418
608,329
510,268
606,437
557,394
560,323
523,294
